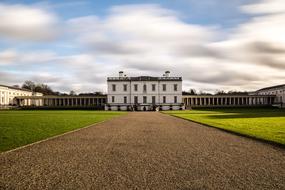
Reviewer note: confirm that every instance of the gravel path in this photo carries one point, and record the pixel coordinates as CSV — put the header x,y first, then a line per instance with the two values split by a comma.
x,y
145,151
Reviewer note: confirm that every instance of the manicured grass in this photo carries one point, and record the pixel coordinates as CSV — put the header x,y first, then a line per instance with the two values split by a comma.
x,y
262,123
19,128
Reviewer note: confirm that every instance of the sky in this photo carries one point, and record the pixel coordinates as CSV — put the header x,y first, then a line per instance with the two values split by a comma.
x,y
75,45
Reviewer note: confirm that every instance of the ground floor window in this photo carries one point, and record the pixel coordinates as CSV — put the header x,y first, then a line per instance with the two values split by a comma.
x,y
144,99
164,99
135,99
113,99
153,100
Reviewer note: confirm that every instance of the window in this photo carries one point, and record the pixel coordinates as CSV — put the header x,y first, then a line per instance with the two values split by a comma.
x,y
113,87
136,99
144,87
144,99
153,99
164,99
175,87
175,99
136,87
153,87
164,87
125,99
113,99
125,87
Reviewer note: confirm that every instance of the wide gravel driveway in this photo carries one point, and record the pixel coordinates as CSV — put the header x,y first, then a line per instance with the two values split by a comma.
x,y
145,150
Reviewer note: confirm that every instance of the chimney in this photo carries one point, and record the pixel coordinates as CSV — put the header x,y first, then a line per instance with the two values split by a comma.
x,y
121,74
167,73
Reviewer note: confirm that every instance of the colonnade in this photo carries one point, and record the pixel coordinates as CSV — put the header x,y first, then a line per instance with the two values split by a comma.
x,y
65,101
224,101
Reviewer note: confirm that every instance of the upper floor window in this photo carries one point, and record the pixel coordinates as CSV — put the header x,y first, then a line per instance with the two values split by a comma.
x,y
136,87
175,87
153,87
125,87
144,87
113,87
164,87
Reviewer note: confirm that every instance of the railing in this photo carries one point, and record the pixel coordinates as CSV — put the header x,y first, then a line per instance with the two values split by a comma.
x,y
142,78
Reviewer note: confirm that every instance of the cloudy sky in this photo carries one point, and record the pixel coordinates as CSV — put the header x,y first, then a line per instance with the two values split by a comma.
x,y
75,45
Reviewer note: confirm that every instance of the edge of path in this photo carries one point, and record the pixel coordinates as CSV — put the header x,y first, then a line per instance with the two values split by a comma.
x,y
276,144
59,135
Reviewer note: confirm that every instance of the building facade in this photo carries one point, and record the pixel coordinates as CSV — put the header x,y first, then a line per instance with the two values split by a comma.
x,y
144,93
8,94
277,91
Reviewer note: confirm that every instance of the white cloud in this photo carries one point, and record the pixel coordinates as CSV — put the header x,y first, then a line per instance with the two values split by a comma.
x,y
148,39
14,57
22,22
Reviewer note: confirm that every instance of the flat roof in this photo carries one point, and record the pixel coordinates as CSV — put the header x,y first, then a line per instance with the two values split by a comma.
x,y
16,88
272,87
144,78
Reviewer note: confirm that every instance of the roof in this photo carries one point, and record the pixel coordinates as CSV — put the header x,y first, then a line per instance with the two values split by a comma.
x,y
16,88
272,87
144,78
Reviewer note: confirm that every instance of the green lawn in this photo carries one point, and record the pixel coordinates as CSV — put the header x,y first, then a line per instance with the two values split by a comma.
x,y
267,124
19,128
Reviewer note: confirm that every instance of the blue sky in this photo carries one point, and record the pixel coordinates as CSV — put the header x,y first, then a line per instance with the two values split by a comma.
x,y
75,45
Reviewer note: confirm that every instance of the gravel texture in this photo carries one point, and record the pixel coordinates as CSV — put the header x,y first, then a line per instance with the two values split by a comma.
x,y
145,150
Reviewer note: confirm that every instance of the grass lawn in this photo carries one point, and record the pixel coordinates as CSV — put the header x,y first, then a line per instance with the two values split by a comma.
x,y
19,128
262,123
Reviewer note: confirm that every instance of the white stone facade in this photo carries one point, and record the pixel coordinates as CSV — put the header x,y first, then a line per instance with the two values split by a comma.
x,y
8,94
144,93
278,91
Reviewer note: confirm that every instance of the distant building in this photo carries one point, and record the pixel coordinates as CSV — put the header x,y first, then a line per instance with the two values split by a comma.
x,y
278,91
144,93
8,94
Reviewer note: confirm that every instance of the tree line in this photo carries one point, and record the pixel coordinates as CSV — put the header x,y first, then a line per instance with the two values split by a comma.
x,y
47,90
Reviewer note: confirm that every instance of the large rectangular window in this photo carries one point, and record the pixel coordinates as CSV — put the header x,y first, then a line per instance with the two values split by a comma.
x,y
144,99
153,87
144,87
164,87
113,99
136,87
125,99
125,87
113,87
175,87
175,99
153,99
164,99
136,99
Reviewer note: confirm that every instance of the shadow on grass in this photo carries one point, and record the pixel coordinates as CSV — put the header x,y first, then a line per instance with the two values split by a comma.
x,y
247,115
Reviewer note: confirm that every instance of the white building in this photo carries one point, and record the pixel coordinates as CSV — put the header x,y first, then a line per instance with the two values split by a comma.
x,y
8,94
144,93
278,91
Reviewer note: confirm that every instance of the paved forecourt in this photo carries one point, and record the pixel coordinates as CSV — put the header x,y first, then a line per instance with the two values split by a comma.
x,y
145,150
